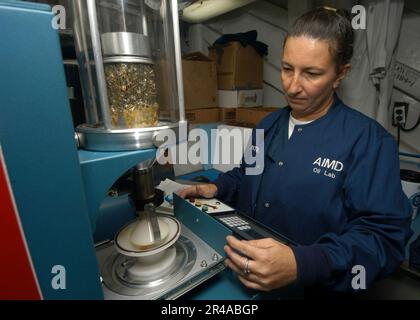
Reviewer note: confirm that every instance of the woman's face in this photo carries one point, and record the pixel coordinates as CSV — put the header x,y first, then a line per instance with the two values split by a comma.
x,y
309,76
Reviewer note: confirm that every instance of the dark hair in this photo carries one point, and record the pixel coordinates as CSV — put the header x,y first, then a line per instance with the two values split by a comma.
x,y
327,24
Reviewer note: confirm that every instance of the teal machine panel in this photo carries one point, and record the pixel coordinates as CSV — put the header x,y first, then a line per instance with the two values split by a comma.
x,y
37,138
224,286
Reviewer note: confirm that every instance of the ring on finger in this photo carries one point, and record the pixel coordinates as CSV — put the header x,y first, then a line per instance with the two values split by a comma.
x,y
246,269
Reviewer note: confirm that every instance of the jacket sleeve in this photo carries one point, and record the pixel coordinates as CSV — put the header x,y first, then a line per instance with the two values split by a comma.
x,y
378,222
228,185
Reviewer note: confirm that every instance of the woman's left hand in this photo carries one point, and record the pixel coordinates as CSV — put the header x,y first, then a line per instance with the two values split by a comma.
x,y
271,264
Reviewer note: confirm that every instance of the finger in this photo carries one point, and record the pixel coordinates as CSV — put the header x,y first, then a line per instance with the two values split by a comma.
x,y
188,192
262,243
238,269
205,191
236,258
200,190
182,193
250,276
240,261
244,247
231,265
251,284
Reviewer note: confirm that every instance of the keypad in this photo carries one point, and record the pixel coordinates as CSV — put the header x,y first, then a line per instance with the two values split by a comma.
x,y
236,222
248,230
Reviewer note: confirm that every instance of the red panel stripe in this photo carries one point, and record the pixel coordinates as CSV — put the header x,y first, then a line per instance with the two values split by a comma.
x,y
17,278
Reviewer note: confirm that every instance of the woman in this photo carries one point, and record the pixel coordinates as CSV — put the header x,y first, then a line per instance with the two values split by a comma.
x,y
330,181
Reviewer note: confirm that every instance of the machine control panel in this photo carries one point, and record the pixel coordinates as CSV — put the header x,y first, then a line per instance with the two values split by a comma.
x,y
243,226
247,228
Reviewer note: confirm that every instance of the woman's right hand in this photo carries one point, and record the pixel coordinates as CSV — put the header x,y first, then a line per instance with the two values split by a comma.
x,y
199,190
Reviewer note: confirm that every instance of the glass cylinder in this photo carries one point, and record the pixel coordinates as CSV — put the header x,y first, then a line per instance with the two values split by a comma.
x,y
122,16
130,71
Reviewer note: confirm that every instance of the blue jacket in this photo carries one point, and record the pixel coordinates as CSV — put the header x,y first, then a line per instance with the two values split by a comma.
x,y
334,188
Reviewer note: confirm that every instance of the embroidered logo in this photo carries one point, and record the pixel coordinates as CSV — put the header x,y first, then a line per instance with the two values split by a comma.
x,y
326,167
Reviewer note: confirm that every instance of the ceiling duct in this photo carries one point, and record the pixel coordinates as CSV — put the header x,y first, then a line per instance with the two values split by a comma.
x,y
202,10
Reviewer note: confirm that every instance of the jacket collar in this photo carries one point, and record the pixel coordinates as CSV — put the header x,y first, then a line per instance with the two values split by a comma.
x,y
274,142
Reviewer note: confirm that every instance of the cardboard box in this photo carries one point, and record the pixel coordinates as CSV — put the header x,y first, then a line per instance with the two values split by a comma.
x,y
227,114
238,67
202,115
200,81
250,117
240,98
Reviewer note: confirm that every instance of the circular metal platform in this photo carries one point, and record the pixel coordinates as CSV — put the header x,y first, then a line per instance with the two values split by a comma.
x,y
117,278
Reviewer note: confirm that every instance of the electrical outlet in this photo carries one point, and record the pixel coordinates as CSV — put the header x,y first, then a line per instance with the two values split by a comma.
x,y
399,116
